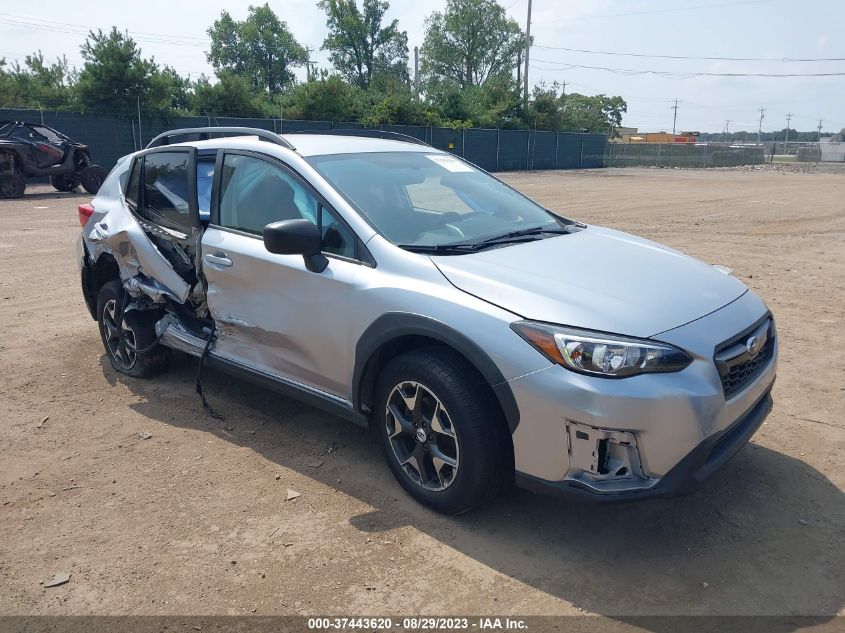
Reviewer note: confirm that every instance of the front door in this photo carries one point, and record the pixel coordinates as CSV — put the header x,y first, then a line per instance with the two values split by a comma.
x,y
273,314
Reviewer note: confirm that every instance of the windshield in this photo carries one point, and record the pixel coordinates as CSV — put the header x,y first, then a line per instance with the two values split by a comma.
x,y
417,199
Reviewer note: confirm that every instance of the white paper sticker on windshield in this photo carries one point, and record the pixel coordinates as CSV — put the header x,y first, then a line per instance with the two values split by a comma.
x,y
449,162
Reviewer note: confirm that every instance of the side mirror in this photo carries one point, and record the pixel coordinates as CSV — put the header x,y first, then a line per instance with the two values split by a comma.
x,y
296,237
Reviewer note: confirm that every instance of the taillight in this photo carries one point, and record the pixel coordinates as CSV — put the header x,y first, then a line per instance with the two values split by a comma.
x,y
85,211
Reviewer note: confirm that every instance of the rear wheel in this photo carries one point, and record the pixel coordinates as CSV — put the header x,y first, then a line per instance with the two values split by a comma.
x,y
65,182
12,185
129,338
92,178
444,439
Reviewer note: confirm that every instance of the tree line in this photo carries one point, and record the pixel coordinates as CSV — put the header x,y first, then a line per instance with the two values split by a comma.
x,y
470,74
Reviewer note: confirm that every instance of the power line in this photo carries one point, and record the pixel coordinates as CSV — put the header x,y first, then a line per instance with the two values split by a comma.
x,y
648,12
82,30
679,75
26,18
690,57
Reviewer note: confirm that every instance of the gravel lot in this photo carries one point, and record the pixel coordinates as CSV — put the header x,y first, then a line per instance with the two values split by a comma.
x,y
193,520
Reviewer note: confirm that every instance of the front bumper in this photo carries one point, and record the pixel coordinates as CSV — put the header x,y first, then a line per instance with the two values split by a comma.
x,y
693,470
649,435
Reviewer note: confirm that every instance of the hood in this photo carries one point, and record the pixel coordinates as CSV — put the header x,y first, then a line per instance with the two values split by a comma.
x,y
596,278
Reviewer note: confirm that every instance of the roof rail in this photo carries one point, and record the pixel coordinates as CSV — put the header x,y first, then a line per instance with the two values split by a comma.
x,y
205,133
367,133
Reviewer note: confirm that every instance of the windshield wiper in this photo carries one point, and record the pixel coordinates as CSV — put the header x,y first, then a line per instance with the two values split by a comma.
x,y
440,249
514,237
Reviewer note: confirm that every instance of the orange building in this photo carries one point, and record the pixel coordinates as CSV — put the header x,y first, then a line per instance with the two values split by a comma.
x,y
683,138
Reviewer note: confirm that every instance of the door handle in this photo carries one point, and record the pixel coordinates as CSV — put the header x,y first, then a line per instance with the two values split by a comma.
x,y
219,259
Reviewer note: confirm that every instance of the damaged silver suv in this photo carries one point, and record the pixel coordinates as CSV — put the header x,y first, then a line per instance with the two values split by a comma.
x,y
482,337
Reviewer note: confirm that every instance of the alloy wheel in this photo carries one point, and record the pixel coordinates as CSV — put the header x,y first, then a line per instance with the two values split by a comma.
x,y
120,339
422,436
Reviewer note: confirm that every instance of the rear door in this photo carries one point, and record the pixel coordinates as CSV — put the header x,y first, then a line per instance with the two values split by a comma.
x,y
162,194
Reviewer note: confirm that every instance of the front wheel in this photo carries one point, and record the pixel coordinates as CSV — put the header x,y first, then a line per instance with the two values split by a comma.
x,y
129,337
442,435
92,178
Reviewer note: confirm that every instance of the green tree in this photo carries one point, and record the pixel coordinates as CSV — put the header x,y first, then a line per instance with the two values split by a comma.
x,y
545,110
115,78
359,46
596,113
260,48
36,83
469,42
393,102
171,90
328,98
232,95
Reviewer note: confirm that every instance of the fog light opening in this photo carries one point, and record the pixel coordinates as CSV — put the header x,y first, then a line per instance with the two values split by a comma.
x,y
603,456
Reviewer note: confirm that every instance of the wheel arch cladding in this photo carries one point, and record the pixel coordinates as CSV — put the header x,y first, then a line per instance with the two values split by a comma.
x,y
397,332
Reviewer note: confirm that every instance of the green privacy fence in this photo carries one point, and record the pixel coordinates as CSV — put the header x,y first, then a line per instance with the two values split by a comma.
x,y
494,150
669,155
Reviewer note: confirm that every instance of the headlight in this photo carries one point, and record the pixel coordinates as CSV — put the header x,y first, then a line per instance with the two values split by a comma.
x,y
601,354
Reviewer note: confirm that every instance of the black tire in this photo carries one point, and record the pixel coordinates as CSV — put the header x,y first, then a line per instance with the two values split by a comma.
x,y
64,182
12,185
117,337
92,178
482,451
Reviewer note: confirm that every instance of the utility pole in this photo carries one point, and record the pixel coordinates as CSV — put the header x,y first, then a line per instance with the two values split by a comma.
x,y
675,117
760,125
527,50
563,92
820,131
786,140
308,63
140,142
417,71
725,131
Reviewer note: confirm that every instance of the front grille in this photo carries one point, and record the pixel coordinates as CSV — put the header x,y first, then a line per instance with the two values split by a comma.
x,y
737,365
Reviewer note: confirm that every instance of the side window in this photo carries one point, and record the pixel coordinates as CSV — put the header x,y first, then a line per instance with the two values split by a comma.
x,y
131,193
49,134
338,239
166,187
28,134
255,192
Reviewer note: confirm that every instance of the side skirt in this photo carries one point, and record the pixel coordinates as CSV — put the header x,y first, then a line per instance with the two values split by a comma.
x,y
309,395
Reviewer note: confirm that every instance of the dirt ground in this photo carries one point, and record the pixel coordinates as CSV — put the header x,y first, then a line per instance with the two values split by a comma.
x,y
193,520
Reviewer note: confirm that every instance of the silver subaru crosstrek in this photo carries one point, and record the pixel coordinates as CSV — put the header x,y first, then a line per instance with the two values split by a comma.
x,y
483,338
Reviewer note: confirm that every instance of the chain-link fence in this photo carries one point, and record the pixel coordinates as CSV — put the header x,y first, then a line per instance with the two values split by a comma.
x,y
676,155
828,150
494,150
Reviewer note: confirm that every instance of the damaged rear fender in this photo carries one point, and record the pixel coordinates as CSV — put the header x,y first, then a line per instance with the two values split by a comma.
x,y
118,234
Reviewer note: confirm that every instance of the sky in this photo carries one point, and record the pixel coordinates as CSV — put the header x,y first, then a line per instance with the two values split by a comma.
x,y
645,31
